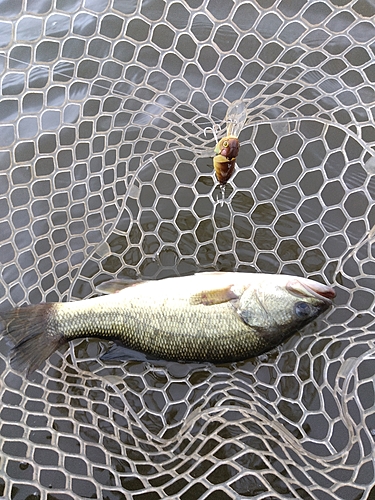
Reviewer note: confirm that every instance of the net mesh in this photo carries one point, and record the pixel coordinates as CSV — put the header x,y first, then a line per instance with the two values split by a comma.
x,y
106,171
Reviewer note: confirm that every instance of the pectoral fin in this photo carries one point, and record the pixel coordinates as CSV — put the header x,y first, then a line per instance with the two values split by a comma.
x,y
214,296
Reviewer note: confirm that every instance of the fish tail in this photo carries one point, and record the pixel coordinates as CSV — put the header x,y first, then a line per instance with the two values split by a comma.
x,y
33,335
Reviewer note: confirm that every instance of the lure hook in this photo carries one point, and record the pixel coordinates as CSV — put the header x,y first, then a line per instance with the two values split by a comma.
x,y
213,130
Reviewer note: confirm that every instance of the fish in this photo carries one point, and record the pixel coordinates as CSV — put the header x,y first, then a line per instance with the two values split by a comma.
x,y
210,316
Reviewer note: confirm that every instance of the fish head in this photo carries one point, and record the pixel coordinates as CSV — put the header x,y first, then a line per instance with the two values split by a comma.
x,y
278,306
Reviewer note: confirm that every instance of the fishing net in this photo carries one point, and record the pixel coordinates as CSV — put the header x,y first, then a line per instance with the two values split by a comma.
x,y
106,147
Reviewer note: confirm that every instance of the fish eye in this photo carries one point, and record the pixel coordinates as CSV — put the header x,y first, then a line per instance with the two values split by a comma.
x,y
302,310
225,144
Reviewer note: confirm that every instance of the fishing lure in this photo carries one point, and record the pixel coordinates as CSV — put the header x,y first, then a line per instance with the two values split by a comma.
x,y
228,147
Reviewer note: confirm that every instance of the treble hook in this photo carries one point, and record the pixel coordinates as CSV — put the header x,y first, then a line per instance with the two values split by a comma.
x,y
222,192
214,129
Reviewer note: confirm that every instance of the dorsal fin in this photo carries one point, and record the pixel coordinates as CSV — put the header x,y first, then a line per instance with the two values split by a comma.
x,y
116,285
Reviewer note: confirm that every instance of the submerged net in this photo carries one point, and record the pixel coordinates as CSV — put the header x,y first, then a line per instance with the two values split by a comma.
x,y
106,171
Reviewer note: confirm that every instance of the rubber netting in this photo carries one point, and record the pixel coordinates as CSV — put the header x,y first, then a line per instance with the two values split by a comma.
x,y
106,171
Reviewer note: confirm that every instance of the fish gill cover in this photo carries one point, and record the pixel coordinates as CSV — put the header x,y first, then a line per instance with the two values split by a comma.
x,y
106,170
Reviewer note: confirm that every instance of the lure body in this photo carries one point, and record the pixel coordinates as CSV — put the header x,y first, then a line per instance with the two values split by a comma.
x,y
225,160
228,147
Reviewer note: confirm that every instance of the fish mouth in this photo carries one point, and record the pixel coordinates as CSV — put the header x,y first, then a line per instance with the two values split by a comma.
x,y
307,288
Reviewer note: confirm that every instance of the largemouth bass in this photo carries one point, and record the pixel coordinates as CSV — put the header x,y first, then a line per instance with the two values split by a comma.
x,y
214,317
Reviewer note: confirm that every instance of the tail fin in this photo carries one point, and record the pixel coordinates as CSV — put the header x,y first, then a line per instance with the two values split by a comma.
x,y
32,336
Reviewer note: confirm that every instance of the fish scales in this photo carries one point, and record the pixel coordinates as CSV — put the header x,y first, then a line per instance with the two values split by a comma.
x,y
175,331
